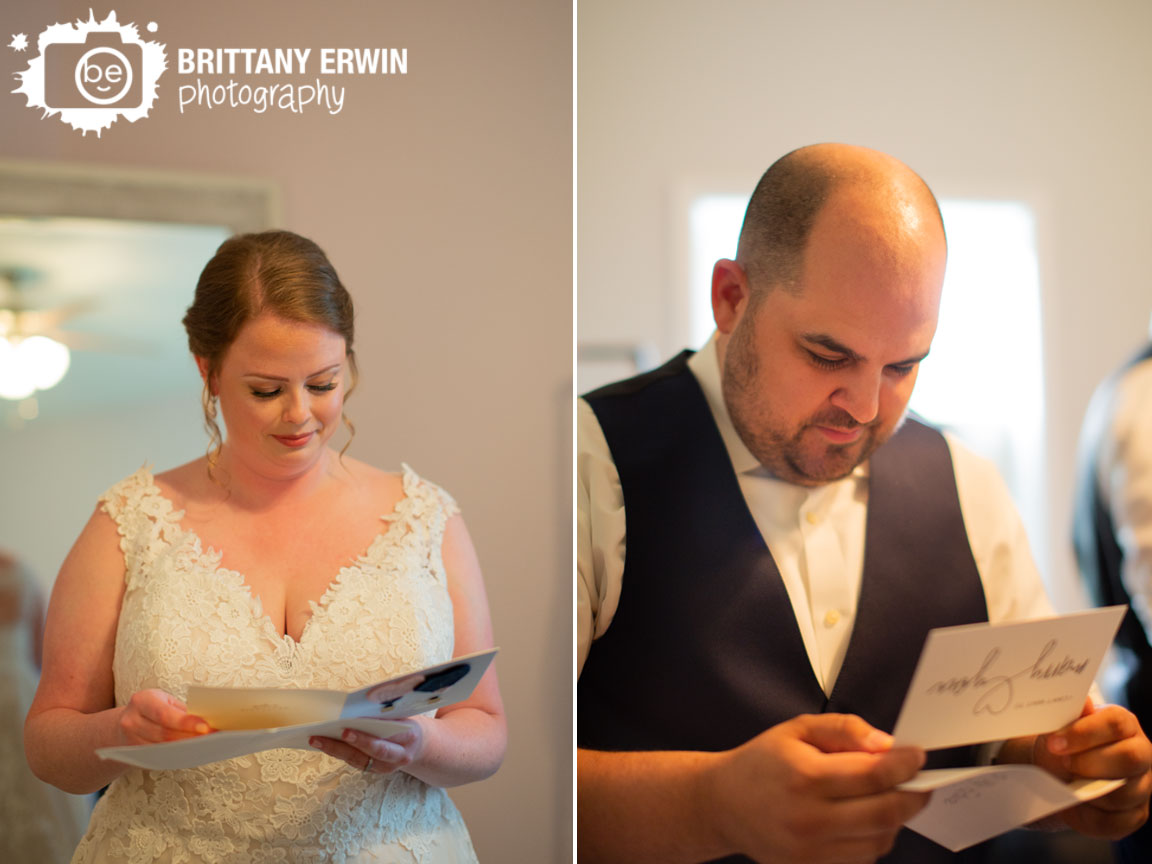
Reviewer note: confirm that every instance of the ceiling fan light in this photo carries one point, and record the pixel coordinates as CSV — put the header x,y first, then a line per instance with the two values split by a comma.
x,y
45,359
15,380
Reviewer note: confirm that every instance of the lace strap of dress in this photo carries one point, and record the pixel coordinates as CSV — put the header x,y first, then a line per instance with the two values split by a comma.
x,y
141,515
424,512
427,497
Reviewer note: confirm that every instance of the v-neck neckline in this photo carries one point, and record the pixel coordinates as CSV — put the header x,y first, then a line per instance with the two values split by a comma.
x,y
210,557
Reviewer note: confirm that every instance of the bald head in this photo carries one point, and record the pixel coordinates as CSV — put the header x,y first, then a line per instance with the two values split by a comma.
x,y
817,376
795,190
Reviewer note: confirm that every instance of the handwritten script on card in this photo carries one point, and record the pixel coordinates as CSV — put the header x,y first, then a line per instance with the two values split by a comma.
x,y
996,691
988,682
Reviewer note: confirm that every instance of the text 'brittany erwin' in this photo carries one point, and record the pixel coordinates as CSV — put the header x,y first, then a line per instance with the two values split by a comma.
x,y
291,61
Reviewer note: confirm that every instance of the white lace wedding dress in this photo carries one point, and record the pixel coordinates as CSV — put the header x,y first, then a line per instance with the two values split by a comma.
x,y
185,620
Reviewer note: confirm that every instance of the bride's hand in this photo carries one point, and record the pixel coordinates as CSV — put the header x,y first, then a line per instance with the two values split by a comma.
x,y
366,752
153,716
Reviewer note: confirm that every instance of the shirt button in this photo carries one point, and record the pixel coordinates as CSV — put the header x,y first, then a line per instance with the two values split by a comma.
x,y
832,618
812,518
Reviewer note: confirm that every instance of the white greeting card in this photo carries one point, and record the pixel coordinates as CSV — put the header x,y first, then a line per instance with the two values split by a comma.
x,y
989,682
255,719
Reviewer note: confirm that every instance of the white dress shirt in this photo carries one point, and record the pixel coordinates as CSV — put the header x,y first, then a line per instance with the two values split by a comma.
x,y
815,535
1124,467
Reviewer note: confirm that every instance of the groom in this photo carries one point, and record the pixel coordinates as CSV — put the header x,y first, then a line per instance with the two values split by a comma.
x,y
764,543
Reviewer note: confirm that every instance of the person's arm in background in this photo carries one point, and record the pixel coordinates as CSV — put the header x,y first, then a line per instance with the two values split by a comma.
x,y
20,603
1125,473
34,615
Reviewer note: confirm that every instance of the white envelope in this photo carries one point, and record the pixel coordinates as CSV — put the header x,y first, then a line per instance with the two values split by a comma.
x,y
971,805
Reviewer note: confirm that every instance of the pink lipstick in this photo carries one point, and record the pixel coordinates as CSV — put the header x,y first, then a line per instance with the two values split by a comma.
x,y
294,440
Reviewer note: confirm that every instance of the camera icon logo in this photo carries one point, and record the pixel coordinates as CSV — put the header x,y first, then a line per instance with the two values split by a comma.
x,y
93,73
101,72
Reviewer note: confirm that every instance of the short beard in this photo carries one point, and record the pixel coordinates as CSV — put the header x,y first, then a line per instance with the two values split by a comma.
x,y
782,453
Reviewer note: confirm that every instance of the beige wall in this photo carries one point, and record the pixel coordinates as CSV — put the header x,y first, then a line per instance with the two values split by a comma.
x,y
445,202
1039,101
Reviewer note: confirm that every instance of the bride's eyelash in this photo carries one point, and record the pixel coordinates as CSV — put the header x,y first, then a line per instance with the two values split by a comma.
x,y
315,388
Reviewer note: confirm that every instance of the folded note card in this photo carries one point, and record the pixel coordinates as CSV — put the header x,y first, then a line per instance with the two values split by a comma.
x,y
190,752
255,719
989,682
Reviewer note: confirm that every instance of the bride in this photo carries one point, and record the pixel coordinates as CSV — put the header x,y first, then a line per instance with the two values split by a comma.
x,y
272,561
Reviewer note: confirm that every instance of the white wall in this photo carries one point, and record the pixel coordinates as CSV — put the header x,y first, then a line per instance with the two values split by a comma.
x,y
444,200
1038,101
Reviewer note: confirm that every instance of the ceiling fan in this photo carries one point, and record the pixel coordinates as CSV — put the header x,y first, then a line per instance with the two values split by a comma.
x,y
20,318
34,351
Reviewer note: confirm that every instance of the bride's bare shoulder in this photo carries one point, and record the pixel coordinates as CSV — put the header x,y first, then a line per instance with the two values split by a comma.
x,y
188,482
381,488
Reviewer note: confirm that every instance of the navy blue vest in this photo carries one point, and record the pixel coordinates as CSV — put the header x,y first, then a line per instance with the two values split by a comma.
x,y
704,652
1099,554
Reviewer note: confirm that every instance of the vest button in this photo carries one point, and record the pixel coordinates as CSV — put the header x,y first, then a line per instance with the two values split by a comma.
x,y
832,618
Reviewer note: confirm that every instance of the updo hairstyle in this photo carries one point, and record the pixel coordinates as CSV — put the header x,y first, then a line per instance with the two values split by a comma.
x,y
277,272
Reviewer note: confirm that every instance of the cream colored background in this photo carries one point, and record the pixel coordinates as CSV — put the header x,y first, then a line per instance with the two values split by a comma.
x,y
444,201
1037,101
